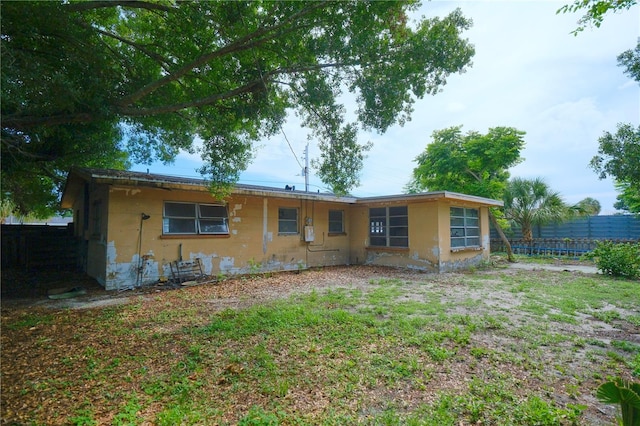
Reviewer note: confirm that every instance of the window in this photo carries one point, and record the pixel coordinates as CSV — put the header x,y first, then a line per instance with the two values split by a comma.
x,y
287,221
465,228
336,221
193,218
389,226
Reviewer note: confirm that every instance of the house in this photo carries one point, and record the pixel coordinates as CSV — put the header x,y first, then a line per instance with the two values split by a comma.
x,y
134,226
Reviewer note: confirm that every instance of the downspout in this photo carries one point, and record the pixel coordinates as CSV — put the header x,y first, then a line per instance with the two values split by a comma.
x,y
143,217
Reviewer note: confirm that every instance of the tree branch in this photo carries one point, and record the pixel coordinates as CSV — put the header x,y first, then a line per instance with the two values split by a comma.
x,y
249,41
158,58
252,86
90,5
474,175
24,122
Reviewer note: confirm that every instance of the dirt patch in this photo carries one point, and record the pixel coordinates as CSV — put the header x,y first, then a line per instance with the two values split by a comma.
x,y
43,342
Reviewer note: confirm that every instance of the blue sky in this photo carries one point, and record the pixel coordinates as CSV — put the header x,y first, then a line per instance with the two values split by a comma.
x,y
529,72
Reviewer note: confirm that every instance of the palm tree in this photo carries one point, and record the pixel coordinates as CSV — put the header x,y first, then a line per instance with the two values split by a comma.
x,y
529,202
587,207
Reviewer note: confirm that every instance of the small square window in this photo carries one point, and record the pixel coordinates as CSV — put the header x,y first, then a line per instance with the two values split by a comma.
x,y
336,221
287,220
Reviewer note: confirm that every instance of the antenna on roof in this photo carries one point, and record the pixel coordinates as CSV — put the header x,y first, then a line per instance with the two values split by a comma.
x,y
305,171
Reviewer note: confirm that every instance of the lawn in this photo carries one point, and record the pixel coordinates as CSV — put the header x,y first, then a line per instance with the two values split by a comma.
x,y
335,346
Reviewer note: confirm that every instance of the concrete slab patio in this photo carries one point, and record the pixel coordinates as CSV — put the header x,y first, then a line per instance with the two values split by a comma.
x,y
558,268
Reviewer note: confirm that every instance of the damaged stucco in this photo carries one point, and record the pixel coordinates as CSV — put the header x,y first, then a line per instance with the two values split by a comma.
x,y
131,249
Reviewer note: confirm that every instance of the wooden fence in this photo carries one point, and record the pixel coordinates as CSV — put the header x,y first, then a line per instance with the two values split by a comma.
x,y
39,246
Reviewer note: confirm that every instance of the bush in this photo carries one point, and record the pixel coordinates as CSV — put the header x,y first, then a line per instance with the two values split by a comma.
x,y
622,259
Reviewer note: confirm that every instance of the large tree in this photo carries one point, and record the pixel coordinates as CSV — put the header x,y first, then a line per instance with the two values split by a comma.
x,y
529,202
619,157
470,163
98,83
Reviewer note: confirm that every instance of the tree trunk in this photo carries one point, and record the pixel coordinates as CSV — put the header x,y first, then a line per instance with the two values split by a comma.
x,y
527,233
503,237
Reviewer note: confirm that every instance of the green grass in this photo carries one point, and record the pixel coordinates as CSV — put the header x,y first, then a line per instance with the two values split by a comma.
x,y
30,320
392,352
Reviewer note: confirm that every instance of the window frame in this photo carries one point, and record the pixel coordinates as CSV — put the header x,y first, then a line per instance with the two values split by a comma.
x,y
466,228
333,221
282,221
198,218
392,227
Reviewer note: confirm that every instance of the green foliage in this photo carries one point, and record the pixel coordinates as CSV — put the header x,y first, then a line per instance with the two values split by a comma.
x,y
618,259
83,417
341,160
628,199
618,158
258,417
630,60
29,321
595,10
102,84
618,154
473,164
178,414
528,202
588,207
128,415
627,395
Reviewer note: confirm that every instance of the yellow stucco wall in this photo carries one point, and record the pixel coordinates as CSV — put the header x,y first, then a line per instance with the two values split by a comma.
x,y
460,259
252,245
429,237
127,252
358,233
423,251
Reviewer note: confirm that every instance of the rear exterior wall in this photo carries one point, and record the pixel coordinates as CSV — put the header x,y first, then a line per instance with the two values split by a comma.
x,y
423,251
138,253
429,242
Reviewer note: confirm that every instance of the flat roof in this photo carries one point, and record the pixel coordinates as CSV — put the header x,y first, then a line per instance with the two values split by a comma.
x,y
132,178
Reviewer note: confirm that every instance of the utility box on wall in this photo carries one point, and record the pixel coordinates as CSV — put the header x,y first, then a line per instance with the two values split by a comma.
x,y
308,234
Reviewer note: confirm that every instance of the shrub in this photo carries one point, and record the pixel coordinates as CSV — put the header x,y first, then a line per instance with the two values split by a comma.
x,y
622,259
627,395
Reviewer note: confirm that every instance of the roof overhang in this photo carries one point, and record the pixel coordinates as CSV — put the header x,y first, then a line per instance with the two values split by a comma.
x,y
433,196
79,176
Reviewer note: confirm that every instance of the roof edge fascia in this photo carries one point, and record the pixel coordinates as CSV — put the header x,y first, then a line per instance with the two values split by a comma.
x,y
435,195
199,185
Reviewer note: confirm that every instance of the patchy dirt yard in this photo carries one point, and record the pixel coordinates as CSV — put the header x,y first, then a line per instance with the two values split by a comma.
x,y
462,345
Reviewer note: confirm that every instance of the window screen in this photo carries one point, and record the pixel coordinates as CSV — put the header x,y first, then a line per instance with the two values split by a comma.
x,y
389,226
465,227
194,218
287,220
336,221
